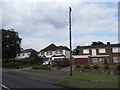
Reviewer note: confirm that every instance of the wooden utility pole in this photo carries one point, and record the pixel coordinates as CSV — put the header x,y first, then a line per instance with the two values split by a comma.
x,y
70,41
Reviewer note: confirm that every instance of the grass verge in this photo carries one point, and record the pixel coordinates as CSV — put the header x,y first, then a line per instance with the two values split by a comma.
x,y
96,77
14,72
74,85
34,70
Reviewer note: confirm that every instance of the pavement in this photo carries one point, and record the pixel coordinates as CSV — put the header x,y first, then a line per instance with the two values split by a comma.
x,y
52,77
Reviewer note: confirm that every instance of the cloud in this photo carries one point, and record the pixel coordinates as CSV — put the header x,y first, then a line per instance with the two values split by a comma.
x,y
43,23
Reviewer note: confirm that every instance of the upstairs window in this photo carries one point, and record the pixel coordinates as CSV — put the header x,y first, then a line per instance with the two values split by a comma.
x,y
102,50
86,51
58,52
116,49
49,53
116,59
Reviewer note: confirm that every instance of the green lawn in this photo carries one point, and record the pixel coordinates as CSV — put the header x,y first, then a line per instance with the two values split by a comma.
x,y
34,70
74,85
96,77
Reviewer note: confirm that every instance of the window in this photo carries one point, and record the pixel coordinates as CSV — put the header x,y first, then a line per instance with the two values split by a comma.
x,y
102,51
116,49
58,51
49,53
86,51
18,54
94,60
116,59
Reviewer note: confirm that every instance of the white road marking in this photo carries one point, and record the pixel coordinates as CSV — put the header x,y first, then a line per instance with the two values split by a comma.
x,y
5,87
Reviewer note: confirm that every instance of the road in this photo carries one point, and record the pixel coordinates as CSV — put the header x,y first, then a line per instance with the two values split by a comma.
x,y
16,81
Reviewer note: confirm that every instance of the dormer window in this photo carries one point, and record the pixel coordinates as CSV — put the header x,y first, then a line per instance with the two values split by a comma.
x,y
58,52
49,53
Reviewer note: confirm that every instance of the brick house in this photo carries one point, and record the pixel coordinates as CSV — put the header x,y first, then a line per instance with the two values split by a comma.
x,y
98,54
54,53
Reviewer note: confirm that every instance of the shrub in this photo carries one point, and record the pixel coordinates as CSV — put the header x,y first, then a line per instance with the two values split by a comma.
x,y
118,67
96,66
106,67
63,63
78,65
54,64
41,67
87,66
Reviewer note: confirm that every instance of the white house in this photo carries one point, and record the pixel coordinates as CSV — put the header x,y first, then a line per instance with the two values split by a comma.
x,y
54,53
24,54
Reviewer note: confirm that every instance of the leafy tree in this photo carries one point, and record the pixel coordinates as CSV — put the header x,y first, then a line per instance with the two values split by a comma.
x,y
76,51
35,58
10,43
97,43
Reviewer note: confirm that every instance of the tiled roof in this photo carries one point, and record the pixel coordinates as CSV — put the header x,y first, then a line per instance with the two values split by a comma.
x,y
27,50
99,46
53,47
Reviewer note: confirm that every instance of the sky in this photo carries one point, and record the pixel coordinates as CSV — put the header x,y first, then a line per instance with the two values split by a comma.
x,y
41,23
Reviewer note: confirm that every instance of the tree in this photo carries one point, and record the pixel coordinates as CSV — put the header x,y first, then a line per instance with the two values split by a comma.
x,y
10,43
35,58
76,51
97,43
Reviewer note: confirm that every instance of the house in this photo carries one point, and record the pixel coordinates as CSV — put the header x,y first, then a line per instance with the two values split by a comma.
x,y
54,53
107,54
24,53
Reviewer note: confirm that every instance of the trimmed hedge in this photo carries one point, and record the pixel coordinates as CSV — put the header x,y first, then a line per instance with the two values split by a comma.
x,y
96,66
87,66
41,67
78,65
106,67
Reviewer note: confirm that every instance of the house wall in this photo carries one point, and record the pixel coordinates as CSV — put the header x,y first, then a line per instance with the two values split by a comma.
x,y
81,61
86,60
23,55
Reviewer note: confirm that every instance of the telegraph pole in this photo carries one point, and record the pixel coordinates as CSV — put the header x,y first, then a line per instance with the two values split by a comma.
x,y
70,41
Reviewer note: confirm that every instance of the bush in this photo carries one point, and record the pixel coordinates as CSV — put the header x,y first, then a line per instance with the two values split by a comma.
x,y
106,67
54,64
87,66
63,63
118,67
78,65
41,67
96,66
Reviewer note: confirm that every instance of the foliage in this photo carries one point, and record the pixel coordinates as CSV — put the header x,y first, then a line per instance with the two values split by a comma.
x,y
41,67
16,63
97,43
34,70
76,51
54,64
10,43
118,67
106,67
63,63
96,66
87,66
78,65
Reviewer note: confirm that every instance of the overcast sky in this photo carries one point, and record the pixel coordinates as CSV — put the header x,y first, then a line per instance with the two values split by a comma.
x,y
42,23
